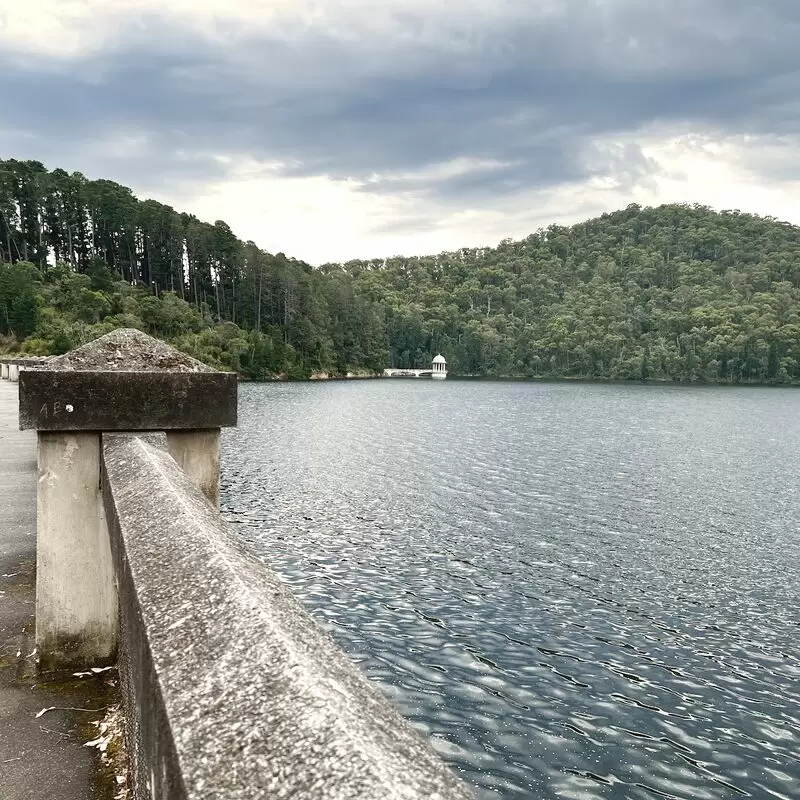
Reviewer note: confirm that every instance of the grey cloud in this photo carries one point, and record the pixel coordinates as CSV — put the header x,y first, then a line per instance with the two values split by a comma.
x,y
536,91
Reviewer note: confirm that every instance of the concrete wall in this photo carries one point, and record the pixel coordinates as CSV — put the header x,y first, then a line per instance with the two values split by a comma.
x,y
232,690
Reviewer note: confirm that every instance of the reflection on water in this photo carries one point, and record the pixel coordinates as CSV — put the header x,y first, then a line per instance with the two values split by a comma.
x,y
574,590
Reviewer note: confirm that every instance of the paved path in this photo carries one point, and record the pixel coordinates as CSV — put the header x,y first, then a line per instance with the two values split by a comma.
x,y
40,759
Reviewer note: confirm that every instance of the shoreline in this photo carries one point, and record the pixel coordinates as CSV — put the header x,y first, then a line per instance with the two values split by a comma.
x,y
327,377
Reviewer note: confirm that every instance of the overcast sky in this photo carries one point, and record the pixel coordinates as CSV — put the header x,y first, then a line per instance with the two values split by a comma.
x,y
359,128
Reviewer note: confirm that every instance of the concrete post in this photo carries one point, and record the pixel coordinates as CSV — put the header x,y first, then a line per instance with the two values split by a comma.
x,y
76,596
13,372
197,454
124,381
4,370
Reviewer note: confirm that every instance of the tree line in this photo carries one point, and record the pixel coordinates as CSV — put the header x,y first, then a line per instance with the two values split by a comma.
x,y
677,292
81,257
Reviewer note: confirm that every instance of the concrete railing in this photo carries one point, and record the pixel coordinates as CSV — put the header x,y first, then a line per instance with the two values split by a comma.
x,y
230,689
10,366
237,693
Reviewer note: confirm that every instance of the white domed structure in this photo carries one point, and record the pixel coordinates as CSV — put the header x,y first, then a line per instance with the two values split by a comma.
x,y
439,368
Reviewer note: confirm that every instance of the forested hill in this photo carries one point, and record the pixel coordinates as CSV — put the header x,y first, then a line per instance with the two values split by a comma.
x,y
676,292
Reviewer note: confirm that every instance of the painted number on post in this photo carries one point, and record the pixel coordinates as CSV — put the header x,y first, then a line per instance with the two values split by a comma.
x,y
55,409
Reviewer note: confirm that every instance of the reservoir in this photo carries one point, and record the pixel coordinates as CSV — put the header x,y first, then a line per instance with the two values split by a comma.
x,y
572,590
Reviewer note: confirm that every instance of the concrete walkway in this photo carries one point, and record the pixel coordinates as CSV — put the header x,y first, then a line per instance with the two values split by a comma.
x,y
44,758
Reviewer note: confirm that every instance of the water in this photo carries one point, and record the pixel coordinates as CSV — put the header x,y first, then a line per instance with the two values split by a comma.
x,y
574,590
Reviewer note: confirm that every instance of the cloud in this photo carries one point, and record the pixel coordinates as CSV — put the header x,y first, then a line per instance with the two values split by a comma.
x,y
406,111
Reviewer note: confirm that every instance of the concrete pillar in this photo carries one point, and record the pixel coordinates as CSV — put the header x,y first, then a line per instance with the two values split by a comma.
x,y
76,595
13,372
124,381
197,454
4,370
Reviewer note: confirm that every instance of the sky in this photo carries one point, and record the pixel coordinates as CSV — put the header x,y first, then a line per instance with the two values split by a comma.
x,y
343,129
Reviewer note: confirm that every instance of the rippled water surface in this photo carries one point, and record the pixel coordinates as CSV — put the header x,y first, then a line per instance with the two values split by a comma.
x,y
574,590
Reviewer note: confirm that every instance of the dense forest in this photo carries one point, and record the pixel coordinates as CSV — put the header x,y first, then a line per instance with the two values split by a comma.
x,y
676,292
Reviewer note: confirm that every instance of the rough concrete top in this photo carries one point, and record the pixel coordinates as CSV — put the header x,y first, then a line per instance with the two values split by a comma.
x,y
127,350
258,701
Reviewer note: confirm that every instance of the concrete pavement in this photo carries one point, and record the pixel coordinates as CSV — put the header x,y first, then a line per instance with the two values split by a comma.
x,y
40,758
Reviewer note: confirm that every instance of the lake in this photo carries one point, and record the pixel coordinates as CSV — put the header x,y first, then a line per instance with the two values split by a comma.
x,y
573,590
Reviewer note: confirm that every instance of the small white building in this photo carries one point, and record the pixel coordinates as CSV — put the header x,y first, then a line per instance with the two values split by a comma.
x,y
439,368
